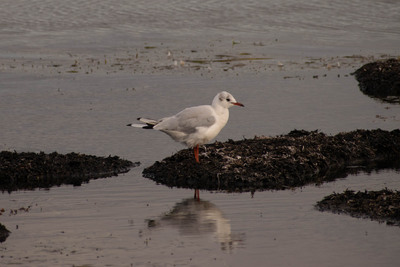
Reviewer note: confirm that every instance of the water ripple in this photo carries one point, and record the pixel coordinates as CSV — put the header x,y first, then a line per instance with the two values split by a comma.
x,y
200,16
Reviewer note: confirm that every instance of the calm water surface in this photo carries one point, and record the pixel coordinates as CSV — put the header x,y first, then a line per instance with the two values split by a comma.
x,y
299,26
131,221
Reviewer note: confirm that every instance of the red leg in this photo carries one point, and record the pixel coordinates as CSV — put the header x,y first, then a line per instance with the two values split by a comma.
x,y
197,194
196,153
196,156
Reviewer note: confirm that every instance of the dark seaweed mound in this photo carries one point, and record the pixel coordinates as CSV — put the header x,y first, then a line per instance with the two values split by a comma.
x,y
382,206
4,233
380,79
282,162
40,170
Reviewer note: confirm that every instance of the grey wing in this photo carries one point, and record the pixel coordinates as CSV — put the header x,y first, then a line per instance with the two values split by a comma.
x,y
189,119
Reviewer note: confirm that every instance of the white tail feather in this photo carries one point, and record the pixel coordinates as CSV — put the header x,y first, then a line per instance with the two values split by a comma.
x,y
137,125
149,123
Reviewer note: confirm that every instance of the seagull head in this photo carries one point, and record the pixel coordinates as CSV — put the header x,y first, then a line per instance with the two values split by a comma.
x,y
225,100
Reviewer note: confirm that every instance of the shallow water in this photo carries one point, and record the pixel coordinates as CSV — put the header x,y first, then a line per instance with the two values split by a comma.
x,y
72,75
106,222
288,27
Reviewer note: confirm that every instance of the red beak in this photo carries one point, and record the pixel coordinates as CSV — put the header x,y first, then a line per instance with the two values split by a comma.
x,y
238,104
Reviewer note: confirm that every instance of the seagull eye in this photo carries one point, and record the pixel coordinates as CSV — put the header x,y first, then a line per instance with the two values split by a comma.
x,y
228,99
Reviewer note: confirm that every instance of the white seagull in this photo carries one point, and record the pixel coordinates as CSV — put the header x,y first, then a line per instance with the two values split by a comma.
x,y
195,126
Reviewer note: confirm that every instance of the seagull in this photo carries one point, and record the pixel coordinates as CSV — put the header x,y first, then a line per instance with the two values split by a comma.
x,y
194,126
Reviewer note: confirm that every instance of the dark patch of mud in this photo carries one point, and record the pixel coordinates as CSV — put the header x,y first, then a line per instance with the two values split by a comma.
x,y
382,206
39,170
282,162
4,233
380,79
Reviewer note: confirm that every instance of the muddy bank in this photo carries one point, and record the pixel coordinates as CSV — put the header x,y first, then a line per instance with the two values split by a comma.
x,y
281,162
40,170
380,79
382,206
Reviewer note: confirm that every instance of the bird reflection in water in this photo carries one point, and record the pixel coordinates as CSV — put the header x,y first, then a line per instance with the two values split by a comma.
x,y
199,217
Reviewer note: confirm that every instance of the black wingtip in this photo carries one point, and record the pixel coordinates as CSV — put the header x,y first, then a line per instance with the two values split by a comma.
x,y
130,124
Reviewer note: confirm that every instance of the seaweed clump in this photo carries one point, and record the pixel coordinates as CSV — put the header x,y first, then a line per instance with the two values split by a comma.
x,y
28,170
382,206
282,162
380,79
4,233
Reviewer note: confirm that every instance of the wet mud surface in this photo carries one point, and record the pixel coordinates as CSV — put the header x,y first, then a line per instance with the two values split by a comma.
x,y
156,58
380,79
382,206
277,163
39,170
